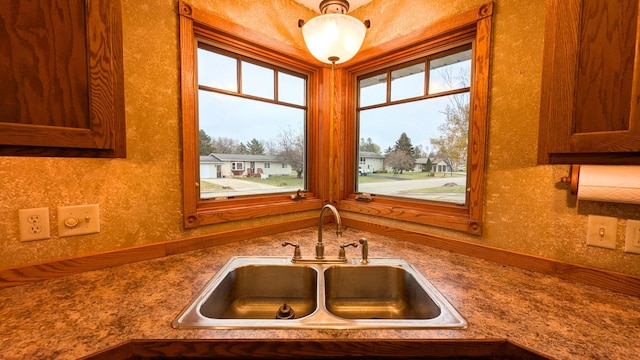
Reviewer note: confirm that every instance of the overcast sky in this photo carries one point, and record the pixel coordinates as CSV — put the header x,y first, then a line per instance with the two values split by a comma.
x,y
235,117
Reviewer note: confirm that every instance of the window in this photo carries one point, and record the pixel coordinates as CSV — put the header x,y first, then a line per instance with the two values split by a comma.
x,y
249,110
243,106
237,166
418,122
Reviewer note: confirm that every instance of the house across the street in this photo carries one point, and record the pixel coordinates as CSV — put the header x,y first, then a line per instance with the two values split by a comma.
x,y
370,162
215,166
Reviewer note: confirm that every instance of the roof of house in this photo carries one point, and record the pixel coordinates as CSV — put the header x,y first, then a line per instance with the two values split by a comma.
x,y
370,154
423,160
218,158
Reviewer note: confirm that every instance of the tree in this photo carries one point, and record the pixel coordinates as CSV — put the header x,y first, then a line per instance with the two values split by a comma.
x,y
403,156
369,146
404,144
225,145
453,141
206,147
291,150
419,151
254,147
399,160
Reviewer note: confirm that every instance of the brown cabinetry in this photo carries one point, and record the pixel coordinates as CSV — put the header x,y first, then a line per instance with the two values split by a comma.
x,y
61,78
590,99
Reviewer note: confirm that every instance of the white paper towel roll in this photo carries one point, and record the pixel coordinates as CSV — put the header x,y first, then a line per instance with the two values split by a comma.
x,y
619,184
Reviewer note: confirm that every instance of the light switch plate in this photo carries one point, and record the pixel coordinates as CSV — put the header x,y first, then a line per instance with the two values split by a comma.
x,y
78,220
601,231
632,239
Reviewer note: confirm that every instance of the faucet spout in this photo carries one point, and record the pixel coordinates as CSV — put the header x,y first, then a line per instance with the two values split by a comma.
x,y
336,215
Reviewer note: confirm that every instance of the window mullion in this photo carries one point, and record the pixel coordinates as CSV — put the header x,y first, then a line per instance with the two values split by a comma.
x,y
239,76
427,65
388,99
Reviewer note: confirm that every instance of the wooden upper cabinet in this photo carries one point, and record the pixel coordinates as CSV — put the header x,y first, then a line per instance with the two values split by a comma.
x,y
590,99
61,78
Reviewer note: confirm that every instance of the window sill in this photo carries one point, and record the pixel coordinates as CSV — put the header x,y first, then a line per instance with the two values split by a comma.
x,y
452,216
215,212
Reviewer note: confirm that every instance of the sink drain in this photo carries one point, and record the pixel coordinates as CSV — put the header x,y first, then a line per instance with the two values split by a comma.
x,y
285,312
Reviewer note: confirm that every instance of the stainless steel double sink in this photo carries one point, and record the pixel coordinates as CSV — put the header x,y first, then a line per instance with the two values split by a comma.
x,y
273,292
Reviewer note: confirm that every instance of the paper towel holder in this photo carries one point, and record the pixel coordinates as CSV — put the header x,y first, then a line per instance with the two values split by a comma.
x,y
572,179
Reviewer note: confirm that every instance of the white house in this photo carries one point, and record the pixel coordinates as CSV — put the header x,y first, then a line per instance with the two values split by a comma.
x,y
441,166
215,166
437,166
370,161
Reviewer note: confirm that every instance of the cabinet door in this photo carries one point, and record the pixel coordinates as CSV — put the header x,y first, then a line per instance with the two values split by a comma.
x,y
590,97
62,79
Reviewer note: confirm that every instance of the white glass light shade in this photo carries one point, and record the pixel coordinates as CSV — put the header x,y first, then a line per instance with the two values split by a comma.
x,y
333,35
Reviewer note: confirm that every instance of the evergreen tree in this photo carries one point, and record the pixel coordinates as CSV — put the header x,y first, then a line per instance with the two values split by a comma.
x,y
404,144
254,147
206,147
403,156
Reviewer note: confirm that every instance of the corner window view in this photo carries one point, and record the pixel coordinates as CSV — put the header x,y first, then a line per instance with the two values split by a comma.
x,y
252,120
413,127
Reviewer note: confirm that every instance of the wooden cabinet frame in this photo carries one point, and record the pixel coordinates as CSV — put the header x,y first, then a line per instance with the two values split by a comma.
x,y
591,75
102,133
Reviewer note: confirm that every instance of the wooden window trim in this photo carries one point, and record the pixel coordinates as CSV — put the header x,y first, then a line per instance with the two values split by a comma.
x,y
106,134
452,32
198,24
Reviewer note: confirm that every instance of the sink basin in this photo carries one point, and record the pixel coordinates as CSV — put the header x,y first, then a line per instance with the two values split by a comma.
x,y
258,291
273,292
376,292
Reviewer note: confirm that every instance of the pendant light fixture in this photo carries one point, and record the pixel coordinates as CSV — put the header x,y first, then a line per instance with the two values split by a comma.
x,y
333,37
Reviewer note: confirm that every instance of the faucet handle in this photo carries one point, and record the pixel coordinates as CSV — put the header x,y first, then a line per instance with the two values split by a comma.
x,y
296,252
341,253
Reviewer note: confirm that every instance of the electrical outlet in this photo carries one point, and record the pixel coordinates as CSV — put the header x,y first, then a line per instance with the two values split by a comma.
x,y
34,224
632,239
78,220
601,231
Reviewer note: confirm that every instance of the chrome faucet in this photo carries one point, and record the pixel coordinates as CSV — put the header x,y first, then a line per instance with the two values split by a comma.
x,y
319,244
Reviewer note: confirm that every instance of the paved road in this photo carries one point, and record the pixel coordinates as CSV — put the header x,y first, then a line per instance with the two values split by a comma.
x,y
403,188
238,187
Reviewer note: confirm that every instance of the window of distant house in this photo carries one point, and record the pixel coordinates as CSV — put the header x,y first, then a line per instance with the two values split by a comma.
x,y
251,110
420,125
415,118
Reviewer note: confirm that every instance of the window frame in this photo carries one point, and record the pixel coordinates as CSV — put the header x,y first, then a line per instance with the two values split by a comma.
x,y
472,27
200,25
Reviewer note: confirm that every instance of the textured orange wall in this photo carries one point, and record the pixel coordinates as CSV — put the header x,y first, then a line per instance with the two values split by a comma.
x,y
140,197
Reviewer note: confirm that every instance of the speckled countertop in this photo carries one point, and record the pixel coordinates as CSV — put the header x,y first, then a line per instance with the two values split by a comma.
x,y
78,315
